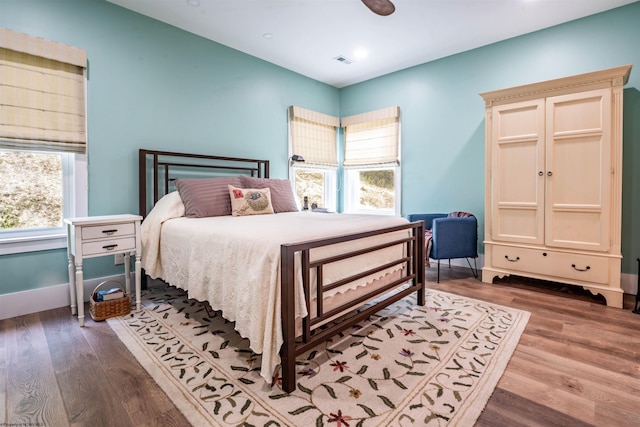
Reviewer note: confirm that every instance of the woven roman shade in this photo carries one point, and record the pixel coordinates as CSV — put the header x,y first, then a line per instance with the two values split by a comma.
x,y
42,94
313,136
372,139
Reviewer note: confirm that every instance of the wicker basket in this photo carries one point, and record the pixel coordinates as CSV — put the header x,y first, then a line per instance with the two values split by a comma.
x,y
101,310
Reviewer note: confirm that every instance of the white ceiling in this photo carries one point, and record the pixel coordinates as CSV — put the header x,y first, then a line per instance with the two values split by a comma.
x,y
308,34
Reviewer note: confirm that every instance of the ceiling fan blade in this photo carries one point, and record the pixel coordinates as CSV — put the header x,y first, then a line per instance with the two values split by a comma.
x,y
380,7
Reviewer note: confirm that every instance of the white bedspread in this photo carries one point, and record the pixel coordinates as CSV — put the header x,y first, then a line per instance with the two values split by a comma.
x,y
234,262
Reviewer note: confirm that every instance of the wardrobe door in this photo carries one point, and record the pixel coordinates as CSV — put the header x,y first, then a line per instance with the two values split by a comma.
x,y
578,170
517,172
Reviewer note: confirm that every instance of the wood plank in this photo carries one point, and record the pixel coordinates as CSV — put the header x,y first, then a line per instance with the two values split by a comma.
x,y
508,409
514,381
593,382
89,396
138,392
625,366
32,394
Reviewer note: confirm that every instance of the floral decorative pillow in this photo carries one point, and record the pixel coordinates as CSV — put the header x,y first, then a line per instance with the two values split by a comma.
x,y
250,201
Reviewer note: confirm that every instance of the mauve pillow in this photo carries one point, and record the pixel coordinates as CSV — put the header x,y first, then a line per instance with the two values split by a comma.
x,y
207,196
282,197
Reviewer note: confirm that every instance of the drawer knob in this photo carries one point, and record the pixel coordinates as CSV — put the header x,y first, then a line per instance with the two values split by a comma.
x,y
110,232
110,247
580,269
512,260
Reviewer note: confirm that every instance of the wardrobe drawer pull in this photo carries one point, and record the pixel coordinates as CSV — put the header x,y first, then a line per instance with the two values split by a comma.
x,y
580,269
512,260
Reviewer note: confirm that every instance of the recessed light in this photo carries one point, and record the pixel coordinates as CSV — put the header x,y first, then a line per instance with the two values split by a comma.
x,y
193,3
267,35
360,53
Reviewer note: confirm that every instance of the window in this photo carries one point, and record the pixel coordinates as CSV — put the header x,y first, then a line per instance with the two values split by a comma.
x,y
372,190
372,162
314,157
49,187
317,185
42,141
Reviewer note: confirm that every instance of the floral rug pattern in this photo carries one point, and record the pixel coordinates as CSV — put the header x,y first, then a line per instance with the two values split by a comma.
x,y
407,365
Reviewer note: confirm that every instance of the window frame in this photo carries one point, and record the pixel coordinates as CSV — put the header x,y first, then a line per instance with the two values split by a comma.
x,y
377,145
351,193
75,204
330,184
68,138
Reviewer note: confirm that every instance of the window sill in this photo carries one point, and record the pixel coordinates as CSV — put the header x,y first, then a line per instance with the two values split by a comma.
x,y
32,244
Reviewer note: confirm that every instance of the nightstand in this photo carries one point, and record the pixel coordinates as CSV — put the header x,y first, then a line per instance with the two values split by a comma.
x,y
95,236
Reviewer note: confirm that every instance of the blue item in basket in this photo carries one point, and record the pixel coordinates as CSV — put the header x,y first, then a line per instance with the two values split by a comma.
x,y
110,294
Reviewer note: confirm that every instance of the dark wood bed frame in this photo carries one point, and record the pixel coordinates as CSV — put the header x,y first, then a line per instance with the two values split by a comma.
x,y
159,168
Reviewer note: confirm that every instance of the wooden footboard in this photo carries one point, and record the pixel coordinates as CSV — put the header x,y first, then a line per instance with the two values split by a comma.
x,y
412,275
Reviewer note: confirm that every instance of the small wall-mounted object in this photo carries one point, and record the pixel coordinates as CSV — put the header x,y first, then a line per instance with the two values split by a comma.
x,y
296,158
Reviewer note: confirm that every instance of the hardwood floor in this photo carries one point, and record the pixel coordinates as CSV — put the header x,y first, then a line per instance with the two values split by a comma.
x,y
577,364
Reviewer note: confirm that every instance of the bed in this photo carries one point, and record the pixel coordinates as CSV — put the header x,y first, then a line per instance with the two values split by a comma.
x,y
288,279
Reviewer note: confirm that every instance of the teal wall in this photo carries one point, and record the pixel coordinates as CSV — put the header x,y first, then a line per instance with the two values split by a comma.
x,y
154,86
443,114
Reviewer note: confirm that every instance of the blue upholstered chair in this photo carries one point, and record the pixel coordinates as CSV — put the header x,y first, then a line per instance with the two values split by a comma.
x,y
450,236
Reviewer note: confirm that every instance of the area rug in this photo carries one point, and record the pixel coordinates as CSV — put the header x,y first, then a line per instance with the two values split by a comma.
x,y
407,365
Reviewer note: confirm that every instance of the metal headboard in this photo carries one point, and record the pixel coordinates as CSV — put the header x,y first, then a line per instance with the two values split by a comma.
x,y
158,169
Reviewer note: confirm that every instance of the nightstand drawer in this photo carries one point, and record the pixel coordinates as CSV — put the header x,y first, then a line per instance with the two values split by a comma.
x,y
109,246
111,230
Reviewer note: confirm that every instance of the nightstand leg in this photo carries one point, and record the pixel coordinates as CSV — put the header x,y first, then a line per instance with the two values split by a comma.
x,y
72,284
80,293
127,273
138,280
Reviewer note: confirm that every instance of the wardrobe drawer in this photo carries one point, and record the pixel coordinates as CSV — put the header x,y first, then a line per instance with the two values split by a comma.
x,y
106,231
579,267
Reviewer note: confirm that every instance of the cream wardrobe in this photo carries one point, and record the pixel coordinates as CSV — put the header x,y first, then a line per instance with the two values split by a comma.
x,y
554,181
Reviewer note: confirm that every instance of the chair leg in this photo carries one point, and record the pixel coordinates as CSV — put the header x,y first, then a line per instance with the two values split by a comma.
x,y
438,271
474,271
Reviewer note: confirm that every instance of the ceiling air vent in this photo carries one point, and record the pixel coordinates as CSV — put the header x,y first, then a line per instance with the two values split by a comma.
x,y
342,59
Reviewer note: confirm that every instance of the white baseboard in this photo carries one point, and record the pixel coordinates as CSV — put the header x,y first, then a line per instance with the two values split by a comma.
x,y
34,300
629,283
461,262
